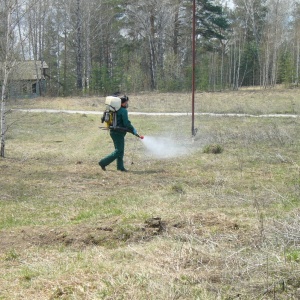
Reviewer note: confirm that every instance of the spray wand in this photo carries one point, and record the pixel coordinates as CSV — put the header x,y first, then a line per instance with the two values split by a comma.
x,y
139,136
122,129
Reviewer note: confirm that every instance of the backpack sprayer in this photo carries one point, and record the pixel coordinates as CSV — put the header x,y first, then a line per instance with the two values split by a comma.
x,y
109,117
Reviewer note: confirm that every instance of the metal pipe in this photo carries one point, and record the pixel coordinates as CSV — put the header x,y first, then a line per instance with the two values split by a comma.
x,y
193,67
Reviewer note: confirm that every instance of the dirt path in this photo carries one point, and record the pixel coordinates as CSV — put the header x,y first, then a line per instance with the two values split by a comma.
x,y
89,112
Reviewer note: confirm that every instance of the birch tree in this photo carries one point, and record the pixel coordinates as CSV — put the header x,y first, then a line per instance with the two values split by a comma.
x,y
14,45
249,20
296,40
7,29
79,62
150,20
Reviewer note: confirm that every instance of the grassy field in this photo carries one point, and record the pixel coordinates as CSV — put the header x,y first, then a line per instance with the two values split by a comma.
x,y
196,226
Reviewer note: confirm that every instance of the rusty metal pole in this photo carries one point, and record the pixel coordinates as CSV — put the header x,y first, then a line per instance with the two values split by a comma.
x,y
193,67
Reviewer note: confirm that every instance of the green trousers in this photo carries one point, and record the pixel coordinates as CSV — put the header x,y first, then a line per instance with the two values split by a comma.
x,y
119,143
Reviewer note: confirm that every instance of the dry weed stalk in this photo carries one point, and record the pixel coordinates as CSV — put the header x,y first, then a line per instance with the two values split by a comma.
x,y
288,230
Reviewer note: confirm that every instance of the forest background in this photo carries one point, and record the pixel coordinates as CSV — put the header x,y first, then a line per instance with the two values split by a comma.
x,y
96,47
227,224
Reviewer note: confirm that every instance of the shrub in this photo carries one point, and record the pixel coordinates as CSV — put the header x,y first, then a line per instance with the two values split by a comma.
x,y
213,148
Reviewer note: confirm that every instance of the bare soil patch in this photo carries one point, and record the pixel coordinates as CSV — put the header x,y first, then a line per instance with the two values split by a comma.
x,y
109,234
200,226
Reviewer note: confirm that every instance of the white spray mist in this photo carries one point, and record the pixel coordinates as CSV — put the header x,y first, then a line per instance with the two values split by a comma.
x,y
161,147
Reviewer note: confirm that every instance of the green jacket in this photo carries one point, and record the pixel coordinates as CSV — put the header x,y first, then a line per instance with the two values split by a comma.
x,y
123,121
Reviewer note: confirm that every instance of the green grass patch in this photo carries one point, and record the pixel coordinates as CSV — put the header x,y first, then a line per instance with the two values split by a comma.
x,y
215,220
293,255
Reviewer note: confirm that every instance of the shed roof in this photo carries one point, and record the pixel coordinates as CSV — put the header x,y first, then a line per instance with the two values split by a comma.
x,y
26,70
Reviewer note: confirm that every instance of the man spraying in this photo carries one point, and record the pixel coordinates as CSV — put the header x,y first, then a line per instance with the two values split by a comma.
x,y
118,130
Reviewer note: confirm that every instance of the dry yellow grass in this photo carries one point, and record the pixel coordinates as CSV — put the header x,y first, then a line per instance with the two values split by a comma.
x,y
250,101
198,226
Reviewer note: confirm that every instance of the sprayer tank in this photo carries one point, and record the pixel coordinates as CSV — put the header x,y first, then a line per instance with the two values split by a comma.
x,y
113,103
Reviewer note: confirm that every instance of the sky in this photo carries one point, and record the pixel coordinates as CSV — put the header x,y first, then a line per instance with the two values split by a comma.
x,y
229,2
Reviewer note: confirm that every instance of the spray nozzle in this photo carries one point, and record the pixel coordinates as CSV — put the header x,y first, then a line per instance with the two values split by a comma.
x,y
139,136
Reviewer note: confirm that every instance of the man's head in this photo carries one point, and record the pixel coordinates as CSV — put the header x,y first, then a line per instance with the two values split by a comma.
x,y
124,101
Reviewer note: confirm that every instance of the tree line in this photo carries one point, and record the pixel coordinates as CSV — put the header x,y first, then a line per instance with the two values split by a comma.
x,y
95,47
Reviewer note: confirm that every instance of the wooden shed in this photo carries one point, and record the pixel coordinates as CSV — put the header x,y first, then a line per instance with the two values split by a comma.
x,y
27,79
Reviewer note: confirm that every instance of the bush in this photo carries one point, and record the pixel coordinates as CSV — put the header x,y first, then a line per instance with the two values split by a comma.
x,y
213,148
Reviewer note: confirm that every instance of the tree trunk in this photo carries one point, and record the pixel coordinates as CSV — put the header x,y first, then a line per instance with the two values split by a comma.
x,y
65,63
276,45
88,65
176,32
4,86
3,119
79,46
297,63
152,53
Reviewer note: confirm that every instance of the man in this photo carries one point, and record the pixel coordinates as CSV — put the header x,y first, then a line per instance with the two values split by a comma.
x,y
118,137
